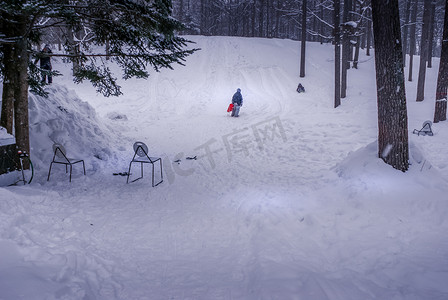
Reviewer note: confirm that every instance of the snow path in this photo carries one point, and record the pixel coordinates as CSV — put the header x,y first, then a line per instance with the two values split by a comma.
x,y
275,207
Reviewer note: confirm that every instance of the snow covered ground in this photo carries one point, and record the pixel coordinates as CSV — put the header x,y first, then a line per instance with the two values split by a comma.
x,y
288,201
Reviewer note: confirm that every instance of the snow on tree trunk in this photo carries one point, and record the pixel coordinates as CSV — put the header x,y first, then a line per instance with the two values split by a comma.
x,y
393,145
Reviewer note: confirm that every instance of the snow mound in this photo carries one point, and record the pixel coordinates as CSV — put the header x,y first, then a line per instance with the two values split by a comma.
x,y
64,118
364,165
365,161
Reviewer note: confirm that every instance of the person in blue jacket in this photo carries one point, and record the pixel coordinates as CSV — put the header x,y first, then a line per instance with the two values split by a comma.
x,y
237,101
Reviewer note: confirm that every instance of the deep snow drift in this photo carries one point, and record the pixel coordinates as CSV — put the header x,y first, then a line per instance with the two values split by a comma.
x,y
289,201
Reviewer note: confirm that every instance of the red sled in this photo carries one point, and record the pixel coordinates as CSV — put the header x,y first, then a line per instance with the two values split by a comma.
x,y
229,109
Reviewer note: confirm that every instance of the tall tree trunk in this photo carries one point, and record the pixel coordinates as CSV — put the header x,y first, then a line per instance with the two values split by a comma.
x,y
393,145
254,14
423,51
21,91
73,49
261,19
181,11
369,34
337,53
405,30
412,39
431,33
442,79
345,49
356,58
9,72
321,16
203,18
277,19
268,19
303,42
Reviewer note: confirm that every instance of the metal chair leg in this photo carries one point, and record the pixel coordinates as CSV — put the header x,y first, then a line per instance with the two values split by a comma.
x,y
152,175
129,172
49,171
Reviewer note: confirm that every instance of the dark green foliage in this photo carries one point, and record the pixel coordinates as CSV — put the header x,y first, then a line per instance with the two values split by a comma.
x,y
101,78
141,35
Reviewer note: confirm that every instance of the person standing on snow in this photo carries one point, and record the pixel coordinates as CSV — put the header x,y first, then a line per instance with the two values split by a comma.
x,y
237,101
45,64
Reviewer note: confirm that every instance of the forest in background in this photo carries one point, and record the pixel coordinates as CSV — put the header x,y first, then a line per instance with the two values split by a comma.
x,y
283,19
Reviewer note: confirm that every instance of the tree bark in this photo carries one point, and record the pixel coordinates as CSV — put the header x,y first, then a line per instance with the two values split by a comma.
x,y
337,53
405,30
442,79
431,33
7,114
412,39
393,145
303,42
369,35
321,15
345,49
21,120
423,51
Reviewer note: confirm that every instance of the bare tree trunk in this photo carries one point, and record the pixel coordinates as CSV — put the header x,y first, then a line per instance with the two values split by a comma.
x,y
423,51
442,79
337,53
393,145
181,10
369,35
254,13
405,30
268,19
303,42
7,115
107,49
356,58
261,19
345,49
321,15
412,39
203,18
72,49
431,33
21,120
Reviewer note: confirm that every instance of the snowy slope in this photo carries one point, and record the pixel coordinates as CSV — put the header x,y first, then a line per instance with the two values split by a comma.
x,y
286,202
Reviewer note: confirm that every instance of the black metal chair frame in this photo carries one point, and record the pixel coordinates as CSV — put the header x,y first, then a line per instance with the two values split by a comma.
x,y
60,157
426,129
141,156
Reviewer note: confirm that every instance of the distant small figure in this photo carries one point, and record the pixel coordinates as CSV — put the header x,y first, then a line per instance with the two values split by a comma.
x,y
45,64
237,101
300,88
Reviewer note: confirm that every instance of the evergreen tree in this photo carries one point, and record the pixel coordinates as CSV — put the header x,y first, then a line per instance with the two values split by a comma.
x,y
140,34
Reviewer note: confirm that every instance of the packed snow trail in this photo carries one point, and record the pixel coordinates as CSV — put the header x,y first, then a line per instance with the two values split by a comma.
x,y
286,202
